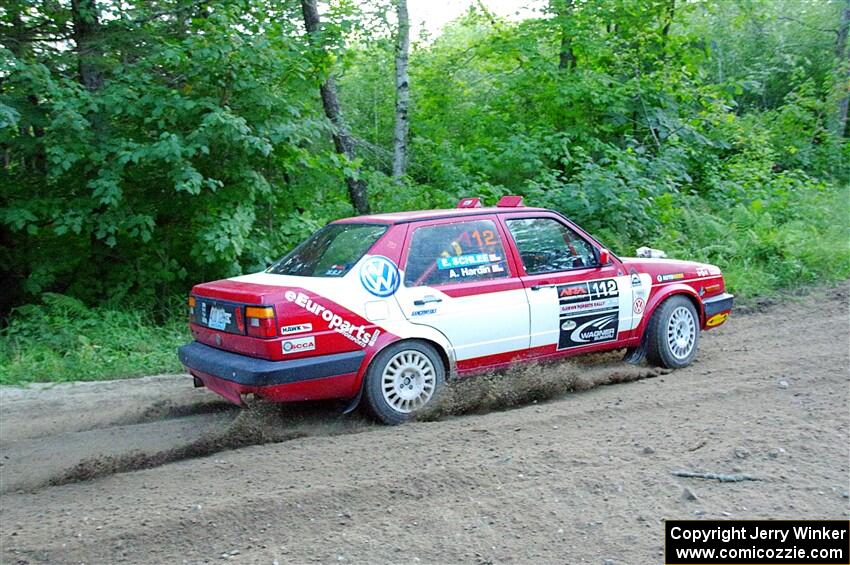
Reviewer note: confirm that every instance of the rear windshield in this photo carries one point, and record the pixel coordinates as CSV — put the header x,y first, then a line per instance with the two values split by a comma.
x,y
330,252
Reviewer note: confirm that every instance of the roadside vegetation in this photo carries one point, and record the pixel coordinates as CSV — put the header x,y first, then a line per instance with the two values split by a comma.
x,y
170,142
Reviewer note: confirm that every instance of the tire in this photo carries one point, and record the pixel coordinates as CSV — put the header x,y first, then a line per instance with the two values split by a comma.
x,y
672,335
403,379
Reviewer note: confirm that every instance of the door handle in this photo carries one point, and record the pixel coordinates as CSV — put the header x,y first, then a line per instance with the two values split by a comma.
x,y
544,284
426,300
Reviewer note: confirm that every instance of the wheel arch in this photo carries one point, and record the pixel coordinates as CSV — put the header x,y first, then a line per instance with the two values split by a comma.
x,y
665,293
446,356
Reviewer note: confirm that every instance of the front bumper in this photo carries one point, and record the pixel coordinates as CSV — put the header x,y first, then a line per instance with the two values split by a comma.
x,y
717,309
717,304
231,374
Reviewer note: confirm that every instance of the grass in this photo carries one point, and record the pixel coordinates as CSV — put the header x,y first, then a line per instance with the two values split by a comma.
x,y
62,339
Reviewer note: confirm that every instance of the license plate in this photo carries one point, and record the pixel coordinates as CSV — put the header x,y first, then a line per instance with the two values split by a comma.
x,y
219,318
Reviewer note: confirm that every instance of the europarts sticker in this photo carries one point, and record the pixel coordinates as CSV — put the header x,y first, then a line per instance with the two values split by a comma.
x,y
356,333
670,277
296,329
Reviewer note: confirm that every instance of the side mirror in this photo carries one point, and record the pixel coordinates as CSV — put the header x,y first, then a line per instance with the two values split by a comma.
x,y
604,257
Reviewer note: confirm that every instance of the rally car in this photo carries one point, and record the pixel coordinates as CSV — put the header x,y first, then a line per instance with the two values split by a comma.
x,y
382,309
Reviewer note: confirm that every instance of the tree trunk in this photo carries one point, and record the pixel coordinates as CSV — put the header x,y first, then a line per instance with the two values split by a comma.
x,y
343,141
843,62
86,24
402,91
671,13
563,13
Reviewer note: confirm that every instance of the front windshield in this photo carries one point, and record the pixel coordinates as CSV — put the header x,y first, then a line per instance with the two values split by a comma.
x,y
330,252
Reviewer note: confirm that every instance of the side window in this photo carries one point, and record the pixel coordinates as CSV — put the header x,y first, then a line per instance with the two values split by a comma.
x,y
547,246
454,253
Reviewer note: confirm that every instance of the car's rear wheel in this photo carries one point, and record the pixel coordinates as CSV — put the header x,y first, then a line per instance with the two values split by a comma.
x,y
673,334
402,380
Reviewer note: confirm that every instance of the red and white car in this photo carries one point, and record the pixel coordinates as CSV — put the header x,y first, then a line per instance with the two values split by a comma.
x,y
383,308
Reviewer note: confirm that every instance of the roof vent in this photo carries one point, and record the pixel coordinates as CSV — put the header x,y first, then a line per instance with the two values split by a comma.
x,y
469,203
510,202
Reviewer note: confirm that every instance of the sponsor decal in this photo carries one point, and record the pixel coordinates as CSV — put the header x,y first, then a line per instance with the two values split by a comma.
x,y
635,279
469,260
475,271
717,319
589,312
587,330
709,271
356,333
299,345
592,306
219,318
335,270
638,306
379,276
670,277
296,329
571,290
423,312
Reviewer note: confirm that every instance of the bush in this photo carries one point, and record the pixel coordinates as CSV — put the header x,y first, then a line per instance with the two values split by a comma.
x,y
61,339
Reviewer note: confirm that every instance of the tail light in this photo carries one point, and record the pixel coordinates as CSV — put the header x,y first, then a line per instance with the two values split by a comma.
x,y
191,307
260,321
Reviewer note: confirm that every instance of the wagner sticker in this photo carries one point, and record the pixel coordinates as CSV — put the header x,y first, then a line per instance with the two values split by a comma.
x,y
590,329
588,312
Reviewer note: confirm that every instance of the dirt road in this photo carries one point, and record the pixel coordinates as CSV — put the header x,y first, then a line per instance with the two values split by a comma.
x,y
154,471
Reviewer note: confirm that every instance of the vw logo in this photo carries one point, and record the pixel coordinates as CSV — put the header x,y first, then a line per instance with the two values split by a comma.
x,y
379,276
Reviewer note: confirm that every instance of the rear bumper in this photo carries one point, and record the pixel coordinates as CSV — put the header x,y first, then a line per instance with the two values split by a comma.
x,y
231,375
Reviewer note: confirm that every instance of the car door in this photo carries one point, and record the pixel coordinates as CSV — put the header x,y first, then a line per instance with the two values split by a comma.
x,y
459,279
574,303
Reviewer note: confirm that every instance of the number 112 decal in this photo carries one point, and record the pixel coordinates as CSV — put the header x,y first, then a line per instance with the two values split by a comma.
x,y
589,313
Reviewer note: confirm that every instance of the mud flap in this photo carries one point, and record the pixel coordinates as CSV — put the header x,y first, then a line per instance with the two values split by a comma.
x,y
353,403
635,355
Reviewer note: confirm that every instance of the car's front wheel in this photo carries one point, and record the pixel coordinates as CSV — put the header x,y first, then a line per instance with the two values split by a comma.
x,y
403,379
673,334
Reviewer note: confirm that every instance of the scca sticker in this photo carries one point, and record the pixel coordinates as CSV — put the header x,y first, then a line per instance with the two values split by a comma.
x,y
298,345
379,276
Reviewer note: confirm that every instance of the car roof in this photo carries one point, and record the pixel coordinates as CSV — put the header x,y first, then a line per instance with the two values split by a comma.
x,y
419,215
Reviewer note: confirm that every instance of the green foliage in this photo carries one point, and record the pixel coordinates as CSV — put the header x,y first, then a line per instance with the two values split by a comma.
x,y
61,339
200,149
